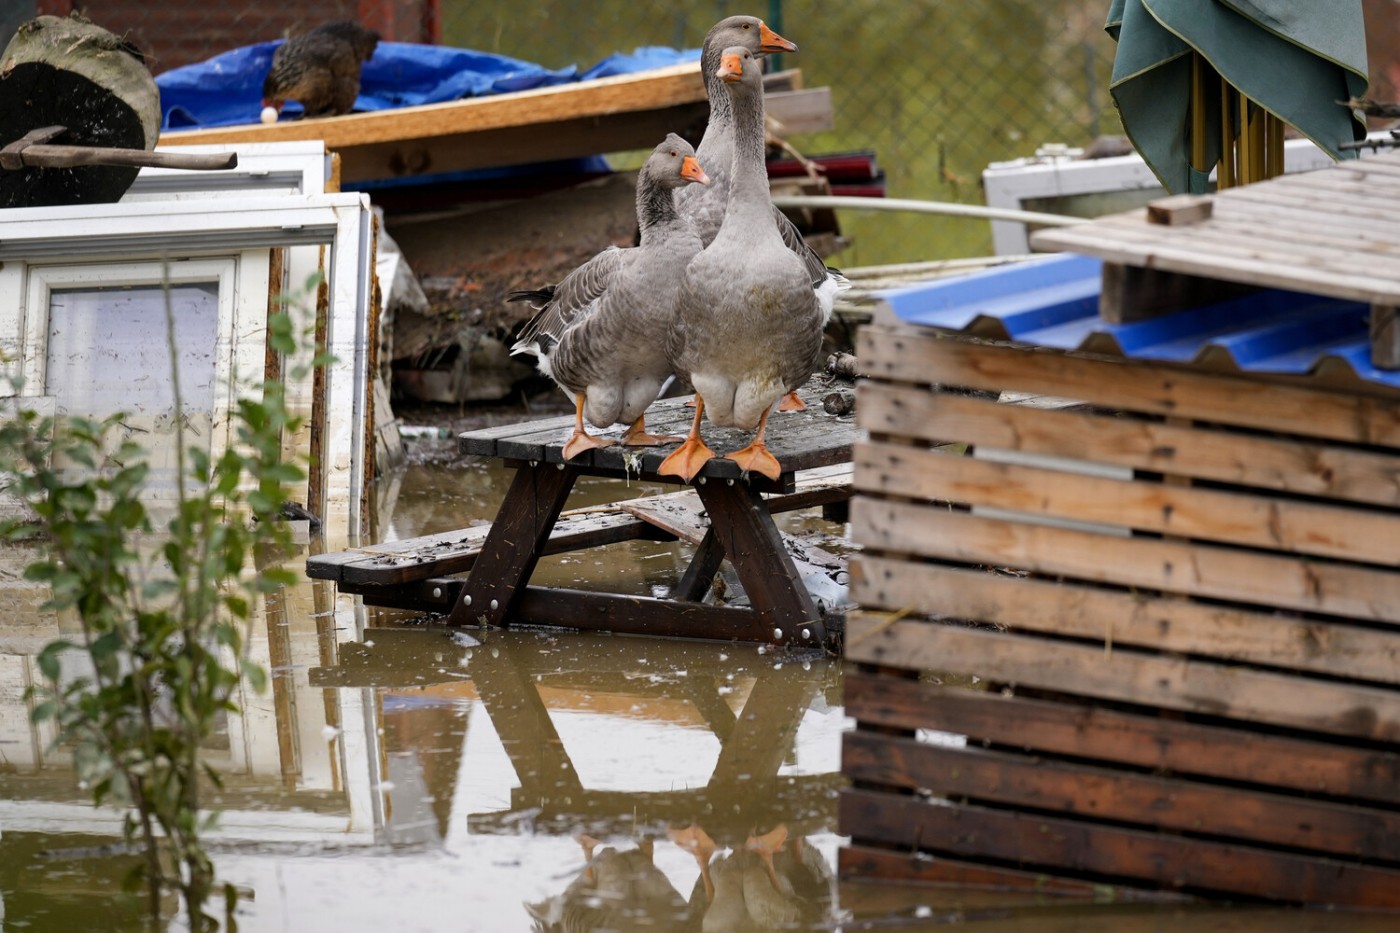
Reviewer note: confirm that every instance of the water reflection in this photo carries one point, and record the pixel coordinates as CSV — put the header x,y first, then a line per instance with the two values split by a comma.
x,y
411,778
393,775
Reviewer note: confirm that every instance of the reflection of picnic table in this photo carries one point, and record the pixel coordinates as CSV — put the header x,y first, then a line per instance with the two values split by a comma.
x,y
726,515
515,677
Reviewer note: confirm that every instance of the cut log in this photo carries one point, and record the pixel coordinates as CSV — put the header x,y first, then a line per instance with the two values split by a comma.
x,y
70,72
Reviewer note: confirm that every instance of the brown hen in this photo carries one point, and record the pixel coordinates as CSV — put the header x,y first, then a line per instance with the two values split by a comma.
x,y
320,69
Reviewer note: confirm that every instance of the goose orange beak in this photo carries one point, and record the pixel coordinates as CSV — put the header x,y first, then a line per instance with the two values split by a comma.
x,y
691,169
770,41
731,68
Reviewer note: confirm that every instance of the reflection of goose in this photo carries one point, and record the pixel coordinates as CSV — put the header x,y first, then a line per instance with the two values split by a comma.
x,y
616,891
769,884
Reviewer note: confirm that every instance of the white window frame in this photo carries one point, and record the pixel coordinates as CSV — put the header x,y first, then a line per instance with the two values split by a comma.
x,y
182,230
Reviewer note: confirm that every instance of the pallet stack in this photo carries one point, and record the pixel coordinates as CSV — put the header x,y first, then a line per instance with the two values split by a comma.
x,y
1146,636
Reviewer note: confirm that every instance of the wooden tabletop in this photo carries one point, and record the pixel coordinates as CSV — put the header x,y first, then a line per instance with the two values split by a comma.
x,y
800,440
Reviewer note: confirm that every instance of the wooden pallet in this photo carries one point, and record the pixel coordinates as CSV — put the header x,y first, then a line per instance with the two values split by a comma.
x,y
1180,603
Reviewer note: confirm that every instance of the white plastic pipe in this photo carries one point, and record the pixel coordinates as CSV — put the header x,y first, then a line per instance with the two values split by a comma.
x,y
927,207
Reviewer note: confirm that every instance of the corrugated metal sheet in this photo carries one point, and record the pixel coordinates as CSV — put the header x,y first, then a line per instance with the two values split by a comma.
x,y
1053,302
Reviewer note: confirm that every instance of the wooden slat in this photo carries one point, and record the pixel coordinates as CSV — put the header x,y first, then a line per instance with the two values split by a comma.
x,y
676,514
1173,566
857,863
654,88
800,440
918,357
1119,617
1272,463
1167,744
1085,849
602,115
1252,520
1129,676
1129,240
583,610
1099,793
1235,235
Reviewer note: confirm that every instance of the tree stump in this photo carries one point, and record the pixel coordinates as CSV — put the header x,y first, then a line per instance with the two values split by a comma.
x,y
70,72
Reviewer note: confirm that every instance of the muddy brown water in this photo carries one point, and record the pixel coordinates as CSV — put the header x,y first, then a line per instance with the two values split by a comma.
x,y
398,776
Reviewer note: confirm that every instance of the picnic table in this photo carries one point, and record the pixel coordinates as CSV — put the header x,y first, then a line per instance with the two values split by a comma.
x,y
726,513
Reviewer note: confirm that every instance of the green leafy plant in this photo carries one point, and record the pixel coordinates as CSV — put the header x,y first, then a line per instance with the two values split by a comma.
x,y
162,599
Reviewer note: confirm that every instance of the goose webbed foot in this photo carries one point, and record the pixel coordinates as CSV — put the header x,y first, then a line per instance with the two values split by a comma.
x,y
637,436
791,402
686,460
757,458
580,441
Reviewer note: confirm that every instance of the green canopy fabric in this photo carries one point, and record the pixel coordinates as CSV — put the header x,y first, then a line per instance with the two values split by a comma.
x,y
1295,59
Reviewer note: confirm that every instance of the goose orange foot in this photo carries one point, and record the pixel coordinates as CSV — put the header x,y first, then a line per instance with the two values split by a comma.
x,y
756,458
580,441
768,845
791,402
637,436
686,460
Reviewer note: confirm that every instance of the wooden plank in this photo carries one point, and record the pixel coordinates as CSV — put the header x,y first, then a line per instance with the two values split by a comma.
x,y
603,115
1130,293
1087,850
1253,520
482,441
801,440
1236,233
1099,793
682,515
862,863
661,87
1167,744
452,552
1180,209
907,355
1296,466
755,549
513,545
1120,617
1127,675
808,110
583,610
1124,242
1174,566
1385,336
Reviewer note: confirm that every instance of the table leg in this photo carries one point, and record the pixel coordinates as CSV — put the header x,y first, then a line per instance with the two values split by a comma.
x,y
745,529
699,576
514,544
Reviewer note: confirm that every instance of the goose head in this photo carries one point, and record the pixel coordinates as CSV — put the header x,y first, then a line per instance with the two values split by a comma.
x,y
674,165
748,31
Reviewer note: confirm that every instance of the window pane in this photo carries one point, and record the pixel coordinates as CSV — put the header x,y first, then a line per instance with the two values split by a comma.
x,y
108,350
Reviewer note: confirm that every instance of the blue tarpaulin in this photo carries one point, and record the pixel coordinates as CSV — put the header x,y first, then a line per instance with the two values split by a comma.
x,y
227,89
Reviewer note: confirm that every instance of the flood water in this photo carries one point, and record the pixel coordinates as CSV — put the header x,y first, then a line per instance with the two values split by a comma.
x,y
398,776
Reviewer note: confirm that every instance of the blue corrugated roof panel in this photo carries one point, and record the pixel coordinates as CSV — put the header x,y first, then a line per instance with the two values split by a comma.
x,y
1053,302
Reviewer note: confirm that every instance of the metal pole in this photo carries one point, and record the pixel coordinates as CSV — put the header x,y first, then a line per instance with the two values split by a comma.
x,y
775,23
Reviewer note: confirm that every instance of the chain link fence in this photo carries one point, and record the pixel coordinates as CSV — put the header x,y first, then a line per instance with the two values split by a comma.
x,y
935,89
